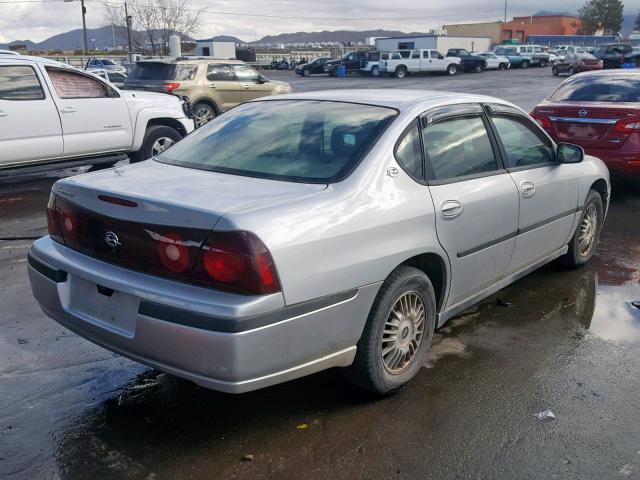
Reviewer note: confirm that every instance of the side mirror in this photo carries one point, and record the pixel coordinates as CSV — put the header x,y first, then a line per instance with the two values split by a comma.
x,y
440,57
262,79
568,153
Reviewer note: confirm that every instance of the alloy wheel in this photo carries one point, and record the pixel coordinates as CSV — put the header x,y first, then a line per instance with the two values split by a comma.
x,y
203,116
403,333
588,230
160,145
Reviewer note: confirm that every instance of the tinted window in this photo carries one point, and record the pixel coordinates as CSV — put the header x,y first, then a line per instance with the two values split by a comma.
x,y
19,83
499,51
217,72
458,147
599,88
415,54
68,84
106,61
245,74
305,141
435,54
523,145
163,71
409,153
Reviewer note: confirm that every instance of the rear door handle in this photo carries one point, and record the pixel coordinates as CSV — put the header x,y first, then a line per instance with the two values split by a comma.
x,y
450,208
246,85
528,189
68,110
211,85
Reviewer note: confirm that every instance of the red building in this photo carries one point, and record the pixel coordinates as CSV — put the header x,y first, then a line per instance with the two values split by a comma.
x,y
521,27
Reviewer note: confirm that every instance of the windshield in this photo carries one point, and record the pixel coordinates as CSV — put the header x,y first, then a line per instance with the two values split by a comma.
x,y
299,141
106,61
602,88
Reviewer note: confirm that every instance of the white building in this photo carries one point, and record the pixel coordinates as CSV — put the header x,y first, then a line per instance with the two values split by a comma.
x,y
442,43
211,48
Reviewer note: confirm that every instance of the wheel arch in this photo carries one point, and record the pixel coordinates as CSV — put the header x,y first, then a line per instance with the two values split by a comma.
x,y
207,101
602,188
434,267
168,122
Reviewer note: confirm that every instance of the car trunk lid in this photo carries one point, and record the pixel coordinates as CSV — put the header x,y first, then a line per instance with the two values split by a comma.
x,y
591,125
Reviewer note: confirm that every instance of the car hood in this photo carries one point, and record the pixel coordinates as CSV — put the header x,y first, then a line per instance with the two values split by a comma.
x,y
173,195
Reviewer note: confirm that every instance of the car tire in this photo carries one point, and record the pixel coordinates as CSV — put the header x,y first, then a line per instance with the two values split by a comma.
x,y
375,72
407,289
585,239
572,72
306,72
401,72
543,63
525,64
478,68
502,66
203,114
452,69
156,137
555,71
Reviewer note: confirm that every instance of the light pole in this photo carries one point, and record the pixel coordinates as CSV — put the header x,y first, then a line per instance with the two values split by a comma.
x,y
129,21
85,41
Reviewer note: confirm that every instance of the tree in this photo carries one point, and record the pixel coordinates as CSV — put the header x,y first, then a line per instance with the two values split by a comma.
x,y
153,22
604,15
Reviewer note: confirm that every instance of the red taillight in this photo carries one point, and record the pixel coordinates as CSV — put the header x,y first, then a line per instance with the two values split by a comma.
x,y
237,262
631,125
174,253
117,201
170,86
52,219
544,122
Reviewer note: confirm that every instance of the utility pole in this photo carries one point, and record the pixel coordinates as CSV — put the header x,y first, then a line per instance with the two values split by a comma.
x,y
505,10
85,41
128,18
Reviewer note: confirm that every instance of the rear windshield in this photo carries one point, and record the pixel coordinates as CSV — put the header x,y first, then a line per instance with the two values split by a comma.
x,y
599,88
299,141
163,71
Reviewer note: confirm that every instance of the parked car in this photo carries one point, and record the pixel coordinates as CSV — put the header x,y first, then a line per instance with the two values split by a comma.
x,y
495,62
105,64
51,113
469,62
279,65
615,55
317,230
523,56
211,85
314,67
423,60
115,78
575,63
600,111
8,52
355,62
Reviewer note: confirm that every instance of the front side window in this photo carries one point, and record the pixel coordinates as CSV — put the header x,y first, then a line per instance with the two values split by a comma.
x,y
68,84
415,55
218,72
299,141
523,146
19,83
409,153
245,74
458,147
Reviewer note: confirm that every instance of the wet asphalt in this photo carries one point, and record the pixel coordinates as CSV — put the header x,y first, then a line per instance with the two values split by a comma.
x,y
559,339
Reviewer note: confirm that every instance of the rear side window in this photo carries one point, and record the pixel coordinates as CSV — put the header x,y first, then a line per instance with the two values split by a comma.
x,y
409,153
217,72
69,84
458,147
599,88
524,147
19,83
164,71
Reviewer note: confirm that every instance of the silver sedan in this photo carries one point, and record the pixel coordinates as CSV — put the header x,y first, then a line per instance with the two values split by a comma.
x,y
315,230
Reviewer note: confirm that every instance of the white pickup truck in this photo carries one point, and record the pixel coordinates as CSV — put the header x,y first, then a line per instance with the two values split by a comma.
x,y
52,114
424,60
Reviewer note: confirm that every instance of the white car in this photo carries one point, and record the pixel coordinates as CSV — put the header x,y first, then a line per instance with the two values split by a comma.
x,y
401,63
51,113
8,52
495,61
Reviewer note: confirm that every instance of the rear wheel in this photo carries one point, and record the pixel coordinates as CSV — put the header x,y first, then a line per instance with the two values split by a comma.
x,y
401,72
157,139
375,72
398,333
452,69
525,64
585,239
306,72
478,68
555,71
203,114
502,66
543,63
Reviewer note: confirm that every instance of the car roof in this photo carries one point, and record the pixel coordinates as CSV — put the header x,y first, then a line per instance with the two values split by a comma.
x,y
189,60
609,73
400,99
29,59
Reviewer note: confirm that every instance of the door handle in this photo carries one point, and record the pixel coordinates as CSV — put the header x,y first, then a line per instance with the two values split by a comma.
x,y
246,85
212,85
3,114
450,208
528,189
68,110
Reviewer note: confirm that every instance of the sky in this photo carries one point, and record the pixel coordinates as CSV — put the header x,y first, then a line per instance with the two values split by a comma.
x,y
38,21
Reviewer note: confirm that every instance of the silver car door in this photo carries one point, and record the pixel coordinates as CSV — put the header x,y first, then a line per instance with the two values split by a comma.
x,y
548,191
475,199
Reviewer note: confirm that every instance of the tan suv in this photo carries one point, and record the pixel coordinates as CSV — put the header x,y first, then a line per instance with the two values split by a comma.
x,y
212,85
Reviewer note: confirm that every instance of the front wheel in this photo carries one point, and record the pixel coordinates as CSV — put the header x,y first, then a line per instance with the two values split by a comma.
x,y
543,63
572,71
306,72
452,70
375,72
525,64
555,71
397,334
478,68
157,139
502,66
401,72
585,239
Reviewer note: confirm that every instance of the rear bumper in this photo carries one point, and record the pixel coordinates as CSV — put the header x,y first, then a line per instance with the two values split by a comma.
x,y
225,342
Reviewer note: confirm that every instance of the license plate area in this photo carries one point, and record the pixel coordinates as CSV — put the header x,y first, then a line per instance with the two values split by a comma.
x,y
102,306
